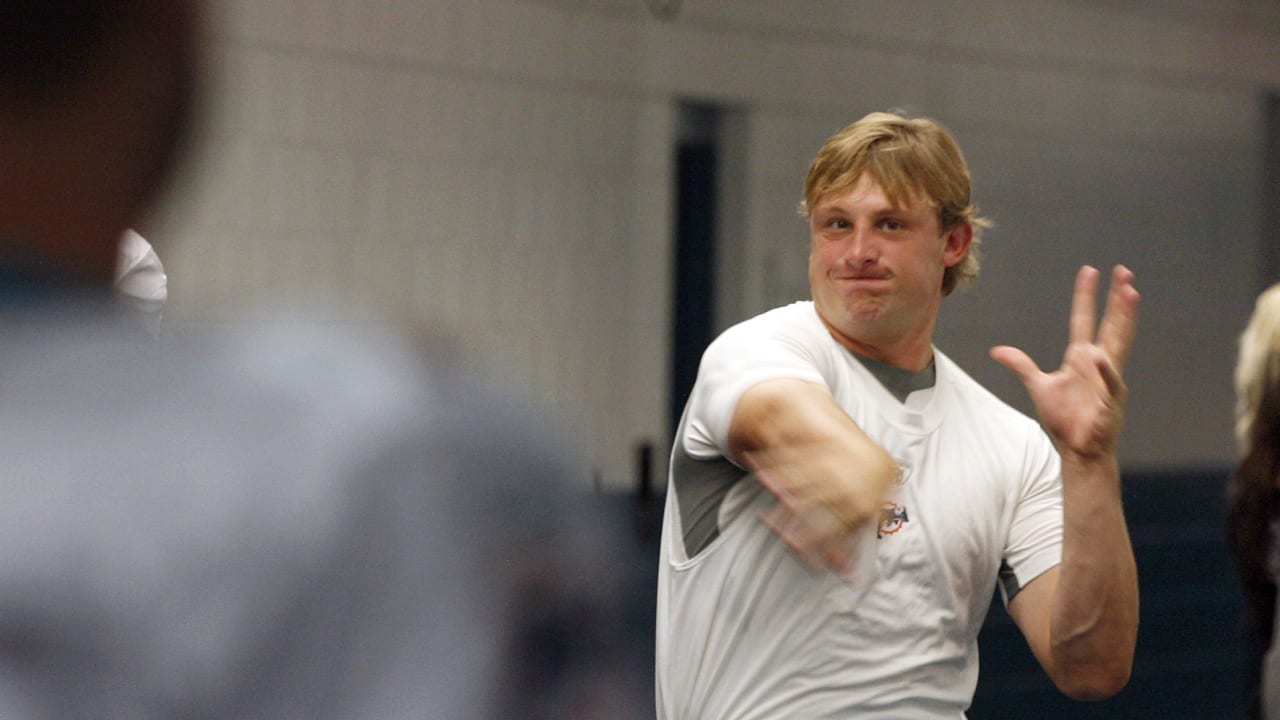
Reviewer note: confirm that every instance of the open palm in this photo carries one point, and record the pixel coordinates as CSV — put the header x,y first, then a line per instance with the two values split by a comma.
x,y
1081,404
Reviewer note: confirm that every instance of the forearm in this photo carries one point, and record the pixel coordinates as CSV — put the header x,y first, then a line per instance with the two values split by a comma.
x,y
803,447
1081,617
1094,616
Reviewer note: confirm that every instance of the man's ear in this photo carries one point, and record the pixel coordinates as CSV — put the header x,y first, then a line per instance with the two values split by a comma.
x,y
956,242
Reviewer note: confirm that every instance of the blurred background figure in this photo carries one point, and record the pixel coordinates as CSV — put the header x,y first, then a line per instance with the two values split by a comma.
x,y
1252,491
268,520
141,283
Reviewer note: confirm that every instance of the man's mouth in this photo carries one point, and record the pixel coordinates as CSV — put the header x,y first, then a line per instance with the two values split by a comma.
x,y
864,276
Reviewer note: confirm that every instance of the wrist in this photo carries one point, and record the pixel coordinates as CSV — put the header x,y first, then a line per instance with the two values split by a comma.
x,y
1091,473
1104,460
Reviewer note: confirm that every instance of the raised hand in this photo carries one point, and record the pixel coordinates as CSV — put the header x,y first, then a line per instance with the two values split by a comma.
x,y
1081,404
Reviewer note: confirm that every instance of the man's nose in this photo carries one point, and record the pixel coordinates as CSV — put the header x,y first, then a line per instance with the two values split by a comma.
x,y
861,247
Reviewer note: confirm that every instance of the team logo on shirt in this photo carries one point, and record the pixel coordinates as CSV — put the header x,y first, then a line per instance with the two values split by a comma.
x,y
892,517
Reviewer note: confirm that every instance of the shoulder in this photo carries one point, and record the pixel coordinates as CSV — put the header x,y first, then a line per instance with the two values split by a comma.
x,y
795,323
356,390
786,340
1009,443
977,404
798,316
328,387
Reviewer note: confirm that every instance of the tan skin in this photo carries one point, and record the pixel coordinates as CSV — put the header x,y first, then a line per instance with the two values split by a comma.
x,y
1081,617
876,273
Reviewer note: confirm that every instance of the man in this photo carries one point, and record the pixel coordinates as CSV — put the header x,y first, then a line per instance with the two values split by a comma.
x,y
275,520
843,498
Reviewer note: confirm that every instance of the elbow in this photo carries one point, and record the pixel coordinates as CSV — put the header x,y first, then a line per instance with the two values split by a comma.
x,y
1098,682
1098,665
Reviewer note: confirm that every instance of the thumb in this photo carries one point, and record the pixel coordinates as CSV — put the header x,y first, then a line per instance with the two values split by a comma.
x,y
1016,360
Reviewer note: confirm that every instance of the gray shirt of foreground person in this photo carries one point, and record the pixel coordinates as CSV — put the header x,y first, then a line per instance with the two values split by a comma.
x,y
283,520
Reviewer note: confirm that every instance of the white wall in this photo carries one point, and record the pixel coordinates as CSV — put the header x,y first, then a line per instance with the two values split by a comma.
x,y
503,168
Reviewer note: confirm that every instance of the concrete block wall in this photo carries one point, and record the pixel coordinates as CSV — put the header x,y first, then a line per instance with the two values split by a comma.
x,y
472,167
501,169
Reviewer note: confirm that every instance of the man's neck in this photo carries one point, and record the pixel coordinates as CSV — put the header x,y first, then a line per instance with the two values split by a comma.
x,y
907,354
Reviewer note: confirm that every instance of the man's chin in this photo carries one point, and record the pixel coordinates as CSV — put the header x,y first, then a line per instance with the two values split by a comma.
x,y
864,310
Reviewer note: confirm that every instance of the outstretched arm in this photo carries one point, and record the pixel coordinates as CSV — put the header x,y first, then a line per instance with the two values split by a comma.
x,y
1081,618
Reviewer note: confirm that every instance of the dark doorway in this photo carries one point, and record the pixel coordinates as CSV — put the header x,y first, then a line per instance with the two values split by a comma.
x,y
694,286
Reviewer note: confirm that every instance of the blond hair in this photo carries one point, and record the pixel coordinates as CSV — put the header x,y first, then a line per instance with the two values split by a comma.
x,y
913,160
1258,365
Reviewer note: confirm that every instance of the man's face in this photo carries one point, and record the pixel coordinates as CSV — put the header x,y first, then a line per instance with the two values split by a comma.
x,y
875,270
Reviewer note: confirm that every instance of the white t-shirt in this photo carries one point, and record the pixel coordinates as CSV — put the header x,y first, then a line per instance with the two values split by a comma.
x,y
746,630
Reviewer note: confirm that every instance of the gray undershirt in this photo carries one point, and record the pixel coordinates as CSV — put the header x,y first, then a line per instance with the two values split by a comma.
x,y
900,382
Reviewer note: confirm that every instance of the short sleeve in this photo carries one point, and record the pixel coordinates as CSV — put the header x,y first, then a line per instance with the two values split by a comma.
x,y
1035,535
775,345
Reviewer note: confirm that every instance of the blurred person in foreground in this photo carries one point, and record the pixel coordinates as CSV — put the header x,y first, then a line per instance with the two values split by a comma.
x,y
844,499
257,521
1253,533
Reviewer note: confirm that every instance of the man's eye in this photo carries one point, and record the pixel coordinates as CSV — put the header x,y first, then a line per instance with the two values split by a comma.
x,y
838,223
891,224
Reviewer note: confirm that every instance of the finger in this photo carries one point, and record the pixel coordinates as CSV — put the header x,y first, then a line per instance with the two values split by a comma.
x,y
1084,305
1111,377
1018,361
837,555
791,489
814,535
1120,321
795,534
772,480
